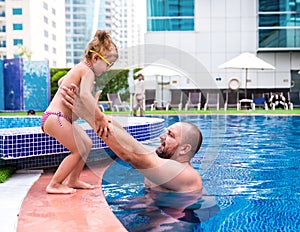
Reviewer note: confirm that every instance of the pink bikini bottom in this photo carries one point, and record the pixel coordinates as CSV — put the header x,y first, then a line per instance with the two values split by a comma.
x,y
58,114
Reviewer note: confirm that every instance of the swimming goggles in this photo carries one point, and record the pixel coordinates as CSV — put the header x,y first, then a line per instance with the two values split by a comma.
x,y
109,64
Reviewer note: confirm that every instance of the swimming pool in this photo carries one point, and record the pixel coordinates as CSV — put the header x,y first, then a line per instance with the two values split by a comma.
x,y
19,121
250,166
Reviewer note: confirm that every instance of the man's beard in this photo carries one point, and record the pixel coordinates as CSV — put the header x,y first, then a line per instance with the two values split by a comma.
x,y
160,151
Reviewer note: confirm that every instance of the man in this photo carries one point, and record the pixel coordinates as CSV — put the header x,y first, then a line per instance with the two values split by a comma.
x,y
168,168
30,112
139,95
277,100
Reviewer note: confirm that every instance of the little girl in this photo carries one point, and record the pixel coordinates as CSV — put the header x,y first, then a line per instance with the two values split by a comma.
x,y
100,55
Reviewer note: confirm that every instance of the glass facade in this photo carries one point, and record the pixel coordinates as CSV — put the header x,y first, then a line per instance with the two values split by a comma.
x,y
170,15
79,21
279,24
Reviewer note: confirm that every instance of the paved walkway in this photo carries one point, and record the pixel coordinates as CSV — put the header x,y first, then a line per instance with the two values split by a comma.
x,y
12,194
26,207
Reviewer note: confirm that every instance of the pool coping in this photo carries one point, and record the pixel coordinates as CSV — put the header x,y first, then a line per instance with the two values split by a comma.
x,y
85,210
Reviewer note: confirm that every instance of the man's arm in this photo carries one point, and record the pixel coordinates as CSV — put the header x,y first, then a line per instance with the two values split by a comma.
x,y
161,172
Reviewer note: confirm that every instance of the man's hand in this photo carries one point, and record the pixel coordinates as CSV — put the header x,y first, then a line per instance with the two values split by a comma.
x,y
69,95
98,121
72,100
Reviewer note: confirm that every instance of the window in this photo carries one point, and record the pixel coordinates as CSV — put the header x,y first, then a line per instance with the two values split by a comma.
x,y
45,5
79,24
279,24
17,11
3,44
45,20
18,42
79,16
18,27
3,28
79,2
170,15
171,24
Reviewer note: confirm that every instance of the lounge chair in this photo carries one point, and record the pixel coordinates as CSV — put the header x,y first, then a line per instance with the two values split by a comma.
x,y
259,101
278,100
150,99
294,99
232,100
212,100
176,100
116,102
194,100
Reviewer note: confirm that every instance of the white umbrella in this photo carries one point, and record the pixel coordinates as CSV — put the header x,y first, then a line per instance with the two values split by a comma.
x,y
246,61
159,69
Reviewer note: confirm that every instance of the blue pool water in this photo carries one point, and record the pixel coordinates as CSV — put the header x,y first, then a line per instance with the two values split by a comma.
x,y
19,121
251,172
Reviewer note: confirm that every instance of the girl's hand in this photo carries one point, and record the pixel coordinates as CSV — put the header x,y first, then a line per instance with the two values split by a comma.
x,y
104,126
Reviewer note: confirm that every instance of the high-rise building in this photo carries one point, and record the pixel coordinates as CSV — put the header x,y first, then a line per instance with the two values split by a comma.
x,y
84,17
33,28
58,31
125,27
79,25
213,32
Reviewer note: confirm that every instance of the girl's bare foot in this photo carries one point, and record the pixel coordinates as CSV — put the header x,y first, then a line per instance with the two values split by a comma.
x,y
80,185
59,189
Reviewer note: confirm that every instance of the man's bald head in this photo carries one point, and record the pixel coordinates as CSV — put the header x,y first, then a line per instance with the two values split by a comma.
x,y
191,135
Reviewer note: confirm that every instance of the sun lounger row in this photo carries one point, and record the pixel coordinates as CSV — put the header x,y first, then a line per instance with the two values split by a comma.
x,y
195,99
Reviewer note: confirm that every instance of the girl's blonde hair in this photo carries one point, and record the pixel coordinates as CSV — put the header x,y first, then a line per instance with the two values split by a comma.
x,y
101,43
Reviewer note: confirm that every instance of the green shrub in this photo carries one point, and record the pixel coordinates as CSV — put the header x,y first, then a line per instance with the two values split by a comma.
x,y
56,74
6,172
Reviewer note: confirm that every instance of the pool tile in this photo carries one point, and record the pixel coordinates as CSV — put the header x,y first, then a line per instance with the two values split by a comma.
x,y
19,144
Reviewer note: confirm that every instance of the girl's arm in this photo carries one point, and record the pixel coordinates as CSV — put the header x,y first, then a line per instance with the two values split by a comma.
x,y
60,80
101,122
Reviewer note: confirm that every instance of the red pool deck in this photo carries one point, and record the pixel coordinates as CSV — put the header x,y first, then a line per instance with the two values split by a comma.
x,y
85,210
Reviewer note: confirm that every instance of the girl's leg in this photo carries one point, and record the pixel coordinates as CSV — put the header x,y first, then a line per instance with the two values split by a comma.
x,y
84,144
64,135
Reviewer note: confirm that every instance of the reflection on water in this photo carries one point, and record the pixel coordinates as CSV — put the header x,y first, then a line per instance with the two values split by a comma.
x,y
169,211
141,209
149,210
